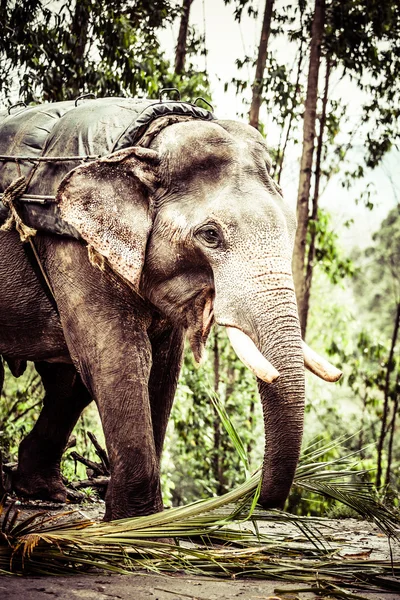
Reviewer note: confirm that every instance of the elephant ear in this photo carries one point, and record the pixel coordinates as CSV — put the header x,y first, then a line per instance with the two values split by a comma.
x,y
109,203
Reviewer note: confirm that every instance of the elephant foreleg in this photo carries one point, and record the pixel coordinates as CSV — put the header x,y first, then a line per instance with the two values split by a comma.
x,y
106,330
115,363
38,474
167,351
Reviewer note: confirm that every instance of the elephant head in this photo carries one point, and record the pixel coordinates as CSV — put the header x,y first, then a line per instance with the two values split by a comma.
x,y
199,228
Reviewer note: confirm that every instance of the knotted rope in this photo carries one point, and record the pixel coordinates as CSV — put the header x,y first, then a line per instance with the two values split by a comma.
x,y
12,193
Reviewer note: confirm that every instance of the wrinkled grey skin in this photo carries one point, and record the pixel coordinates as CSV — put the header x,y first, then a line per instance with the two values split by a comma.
x,y
202,221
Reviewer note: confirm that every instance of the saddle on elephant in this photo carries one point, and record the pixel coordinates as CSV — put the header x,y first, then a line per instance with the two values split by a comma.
x,y
31,167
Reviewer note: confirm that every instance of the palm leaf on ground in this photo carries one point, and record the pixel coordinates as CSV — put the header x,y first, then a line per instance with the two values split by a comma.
x,y
43,545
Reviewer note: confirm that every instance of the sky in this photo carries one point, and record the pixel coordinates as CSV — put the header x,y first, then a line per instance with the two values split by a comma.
x,y
228,40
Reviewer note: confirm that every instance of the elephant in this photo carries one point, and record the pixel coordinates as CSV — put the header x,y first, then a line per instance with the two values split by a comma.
x,y
170,238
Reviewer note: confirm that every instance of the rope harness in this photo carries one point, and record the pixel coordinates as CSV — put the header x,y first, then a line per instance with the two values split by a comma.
x,y
26,233
12,193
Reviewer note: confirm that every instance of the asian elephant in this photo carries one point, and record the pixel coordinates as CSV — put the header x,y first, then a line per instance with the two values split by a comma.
x,y
173,237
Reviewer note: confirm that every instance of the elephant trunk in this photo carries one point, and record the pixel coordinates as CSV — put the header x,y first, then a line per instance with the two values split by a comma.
x,y
283,410
282,398
268,315
283,407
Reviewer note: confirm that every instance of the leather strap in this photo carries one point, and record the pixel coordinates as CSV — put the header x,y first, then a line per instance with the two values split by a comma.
x,y
36,264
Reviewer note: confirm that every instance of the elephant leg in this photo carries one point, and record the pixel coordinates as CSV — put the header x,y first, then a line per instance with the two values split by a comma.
x,y
119,380
116,367
38,474
106,330
167,351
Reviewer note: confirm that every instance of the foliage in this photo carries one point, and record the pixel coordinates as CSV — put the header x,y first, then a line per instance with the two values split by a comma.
x,y
60,50
19,406
240,5
364,38
381,277
366,372
329,256
201,459
380,273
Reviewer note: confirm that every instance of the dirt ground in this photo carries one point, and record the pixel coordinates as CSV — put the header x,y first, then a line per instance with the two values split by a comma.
x,y
146,586
143,587
355,538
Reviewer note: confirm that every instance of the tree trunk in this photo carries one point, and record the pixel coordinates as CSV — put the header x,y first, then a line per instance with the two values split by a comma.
x,y
362,425
307,153
392,430
260,66
180,52
76,45
251,427
303,309
386,395
281,156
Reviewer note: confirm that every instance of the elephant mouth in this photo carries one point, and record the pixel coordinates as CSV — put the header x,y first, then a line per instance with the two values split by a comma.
x,y
198,320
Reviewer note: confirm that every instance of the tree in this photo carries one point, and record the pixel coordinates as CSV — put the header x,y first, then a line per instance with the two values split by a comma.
x,y
391,365
260,65
358,39
180,52
368,345
58,52
380,275
307,159
364,39
312,219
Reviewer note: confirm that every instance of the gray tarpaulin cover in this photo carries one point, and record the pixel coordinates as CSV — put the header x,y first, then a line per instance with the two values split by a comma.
x,y
95,127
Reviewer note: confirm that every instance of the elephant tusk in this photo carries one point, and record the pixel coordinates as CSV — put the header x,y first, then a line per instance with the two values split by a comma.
x,y
250,356
208,316
320,366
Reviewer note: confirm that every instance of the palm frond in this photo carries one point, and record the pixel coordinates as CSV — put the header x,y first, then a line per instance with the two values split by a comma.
x,y
233,543
232,432
47,546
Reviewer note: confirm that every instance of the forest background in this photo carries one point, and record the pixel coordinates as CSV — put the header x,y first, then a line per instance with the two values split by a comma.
x,y
318,78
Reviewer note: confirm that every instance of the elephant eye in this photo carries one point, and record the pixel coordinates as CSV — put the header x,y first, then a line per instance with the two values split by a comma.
x,y
209,235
